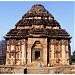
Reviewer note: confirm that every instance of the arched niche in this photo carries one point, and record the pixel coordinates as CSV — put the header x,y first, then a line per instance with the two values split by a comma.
x,y
37,51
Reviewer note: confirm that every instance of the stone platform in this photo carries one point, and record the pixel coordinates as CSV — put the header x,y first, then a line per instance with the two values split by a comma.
x,y
35,70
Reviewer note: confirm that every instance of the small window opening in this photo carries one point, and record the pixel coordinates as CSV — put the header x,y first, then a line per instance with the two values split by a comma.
x,y
37,54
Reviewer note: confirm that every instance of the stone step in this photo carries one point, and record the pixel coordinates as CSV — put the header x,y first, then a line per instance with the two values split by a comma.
x,y
37,70
36,64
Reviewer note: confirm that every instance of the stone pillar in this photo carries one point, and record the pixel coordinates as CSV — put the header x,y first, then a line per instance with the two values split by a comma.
x,y
29,55
19,52
45,55
67,51
63,55
52,51
67,55
12,56
6,60
23,54
52,55
7,55
29,51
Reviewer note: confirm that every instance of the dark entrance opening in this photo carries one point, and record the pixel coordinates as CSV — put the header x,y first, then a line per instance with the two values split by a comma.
x,y
25,71
37,54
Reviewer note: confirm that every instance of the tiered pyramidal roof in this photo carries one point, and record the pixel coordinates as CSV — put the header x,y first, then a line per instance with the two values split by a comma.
x,y
37,22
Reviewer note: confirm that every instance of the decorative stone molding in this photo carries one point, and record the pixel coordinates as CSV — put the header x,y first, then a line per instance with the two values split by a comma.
x,y
38,25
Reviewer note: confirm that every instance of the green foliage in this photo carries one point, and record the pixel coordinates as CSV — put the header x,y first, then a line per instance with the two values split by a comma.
x,y
73,62
73,57
74,53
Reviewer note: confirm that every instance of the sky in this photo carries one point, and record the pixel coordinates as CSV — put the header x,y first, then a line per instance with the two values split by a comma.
x,y
12,12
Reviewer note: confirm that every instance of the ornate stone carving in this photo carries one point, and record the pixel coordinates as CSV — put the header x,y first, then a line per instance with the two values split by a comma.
x,y
37,29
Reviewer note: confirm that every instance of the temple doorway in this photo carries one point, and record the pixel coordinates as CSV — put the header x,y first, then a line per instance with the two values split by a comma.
x,y
37,52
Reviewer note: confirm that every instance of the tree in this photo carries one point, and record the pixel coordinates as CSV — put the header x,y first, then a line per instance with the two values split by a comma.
x,y
73,56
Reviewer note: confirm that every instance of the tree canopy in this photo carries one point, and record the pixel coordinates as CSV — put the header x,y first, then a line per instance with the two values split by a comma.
x,y
73,56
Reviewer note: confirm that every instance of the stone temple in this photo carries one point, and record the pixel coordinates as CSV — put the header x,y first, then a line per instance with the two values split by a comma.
x,y
38,38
